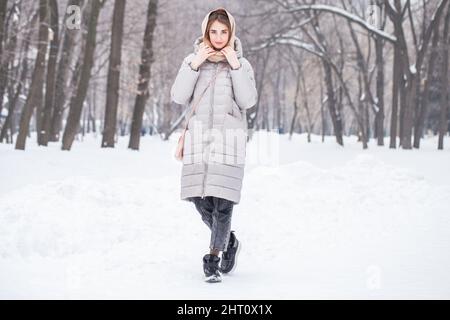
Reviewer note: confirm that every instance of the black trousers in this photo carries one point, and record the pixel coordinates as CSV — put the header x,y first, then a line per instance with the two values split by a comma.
x,y
216,214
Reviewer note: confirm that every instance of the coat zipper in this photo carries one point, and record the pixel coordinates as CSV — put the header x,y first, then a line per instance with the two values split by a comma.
x,y
210,122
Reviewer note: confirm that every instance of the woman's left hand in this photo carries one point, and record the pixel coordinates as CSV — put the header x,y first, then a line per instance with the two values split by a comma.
x,y
231,56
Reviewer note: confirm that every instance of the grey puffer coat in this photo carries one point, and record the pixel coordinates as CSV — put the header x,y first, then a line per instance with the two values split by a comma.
x,y
215,142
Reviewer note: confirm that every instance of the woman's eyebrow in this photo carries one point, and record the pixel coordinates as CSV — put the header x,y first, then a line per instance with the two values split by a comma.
x,y
220,30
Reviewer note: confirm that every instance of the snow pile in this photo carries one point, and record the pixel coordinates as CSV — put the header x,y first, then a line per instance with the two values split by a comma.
x,y
320,221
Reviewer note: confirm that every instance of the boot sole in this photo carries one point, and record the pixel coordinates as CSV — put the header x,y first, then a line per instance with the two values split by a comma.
x,y
213,279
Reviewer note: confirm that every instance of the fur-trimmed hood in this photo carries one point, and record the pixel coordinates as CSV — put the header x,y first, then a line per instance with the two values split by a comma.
x,y
233,41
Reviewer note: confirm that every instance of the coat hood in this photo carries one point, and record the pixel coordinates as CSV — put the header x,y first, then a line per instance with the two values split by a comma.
x,y
233,41
232,23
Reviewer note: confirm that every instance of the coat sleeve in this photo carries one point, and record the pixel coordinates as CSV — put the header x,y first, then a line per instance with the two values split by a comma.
x,y
244,85
184,84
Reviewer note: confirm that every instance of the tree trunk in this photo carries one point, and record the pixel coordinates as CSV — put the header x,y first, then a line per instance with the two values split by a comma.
x,y
335,117
294,117
144,76
360,105
7,65
420,118
305,103
76,104
12,104
89,116
276,123
395,96
35,93
408,116
94,104
113,82
379,115
443,122
43,135
322,113
3,6
402,94
68,48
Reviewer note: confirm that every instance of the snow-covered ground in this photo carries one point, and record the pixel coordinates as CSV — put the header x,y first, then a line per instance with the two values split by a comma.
x,y
317,221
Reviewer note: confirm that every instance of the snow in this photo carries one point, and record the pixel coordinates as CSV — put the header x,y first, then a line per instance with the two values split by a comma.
x,y
15,17
412,69
51,34
375,107
5,103
316,221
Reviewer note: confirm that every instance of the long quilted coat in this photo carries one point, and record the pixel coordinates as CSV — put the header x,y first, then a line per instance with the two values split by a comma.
x,y
215,142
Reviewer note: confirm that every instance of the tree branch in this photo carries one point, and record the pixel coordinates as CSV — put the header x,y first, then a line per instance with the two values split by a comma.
x,y
340,12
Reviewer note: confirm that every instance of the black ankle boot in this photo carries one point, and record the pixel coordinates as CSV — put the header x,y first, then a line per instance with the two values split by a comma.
x,y
229,257
211,268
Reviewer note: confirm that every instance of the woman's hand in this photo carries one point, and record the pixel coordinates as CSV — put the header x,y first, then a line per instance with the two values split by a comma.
x,y
231,56
203,53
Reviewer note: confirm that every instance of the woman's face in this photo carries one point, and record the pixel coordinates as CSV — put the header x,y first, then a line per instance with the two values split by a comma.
x,y
219,35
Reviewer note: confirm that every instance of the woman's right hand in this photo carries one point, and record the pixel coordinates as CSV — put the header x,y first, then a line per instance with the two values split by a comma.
x,y
203,53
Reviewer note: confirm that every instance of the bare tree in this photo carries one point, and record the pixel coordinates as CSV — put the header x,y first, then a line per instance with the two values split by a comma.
x,y
35,94
411,71
144,76
43,135
10,71
62,75
380,83
113,82
423,106
443,123
328,66
3,62
3,6
76,104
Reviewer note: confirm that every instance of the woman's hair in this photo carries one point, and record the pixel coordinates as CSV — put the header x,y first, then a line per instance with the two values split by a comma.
x,y
218,15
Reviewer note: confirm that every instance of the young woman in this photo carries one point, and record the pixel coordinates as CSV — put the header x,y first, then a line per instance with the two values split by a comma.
x,y
218,83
